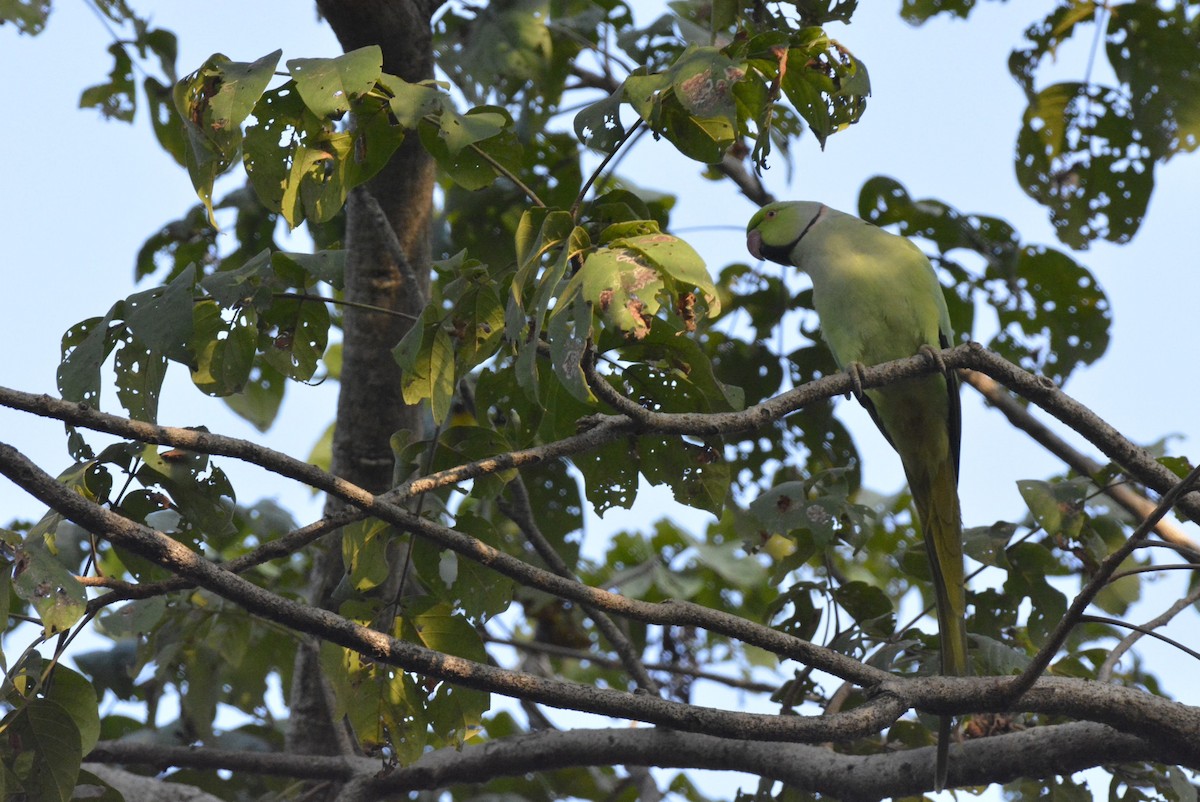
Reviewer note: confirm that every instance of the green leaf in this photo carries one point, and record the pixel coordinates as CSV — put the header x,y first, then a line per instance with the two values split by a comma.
x,y
224,349
599,125
28,15
76,695
1057,507
85,346
213,102
996,657
465,584
1031,564
260,397
986,544
140,371
117,99
299,332
917,12
412,103
54,592
680,261
569,334
864,602
426,360
365,546
787,507
1081,155
467,146
327,85
48,735
697,474
162,317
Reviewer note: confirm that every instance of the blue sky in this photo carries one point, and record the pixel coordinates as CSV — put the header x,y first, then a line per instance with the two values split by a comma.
x,y
81,195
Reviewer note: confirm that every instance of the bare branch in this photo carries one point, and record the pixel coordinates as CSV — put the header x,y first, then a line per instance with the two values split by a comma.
x,y
613,662
1110,663
1043,751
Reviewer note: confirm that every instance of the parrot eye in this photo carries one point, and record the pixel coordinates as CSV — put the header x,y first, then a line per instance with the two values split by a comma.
x,y
770,214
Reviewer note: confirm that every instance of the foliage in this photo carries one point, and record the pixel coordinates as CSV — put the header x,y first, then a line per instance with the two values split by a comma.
x,y
562,283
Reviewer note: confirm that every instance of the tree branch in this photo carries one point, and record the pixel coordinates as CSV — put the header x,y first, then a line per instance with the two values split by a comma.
x,y
1099,579
179,559
521,513
1060,749
1020,417
1104,673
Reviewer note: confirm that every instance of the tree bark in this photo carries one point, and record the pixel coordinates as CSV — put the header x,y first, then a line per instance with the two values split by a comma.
x,y
387,265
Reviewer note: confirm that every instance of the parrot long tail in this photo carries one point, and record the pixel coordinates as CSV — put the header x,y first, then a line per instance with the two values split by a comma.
x,y
935,493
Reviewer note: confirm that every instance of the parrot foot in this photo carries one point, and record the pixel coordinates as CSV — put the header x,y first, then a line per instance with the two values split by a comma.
x,y
855,371
934,356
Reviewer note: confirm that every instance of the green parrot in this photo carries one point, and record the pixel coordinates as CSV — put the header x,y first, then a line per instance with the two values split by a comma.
x,y
879,300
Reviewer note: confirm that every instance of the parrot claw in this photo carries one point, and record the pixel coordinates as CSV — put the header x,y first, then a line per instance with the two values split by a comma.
x,y
855,371
934,356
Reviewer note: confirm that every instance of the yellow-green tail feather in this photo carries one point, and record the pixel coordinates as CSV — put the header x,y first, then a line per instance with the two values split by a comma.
x,y
936,499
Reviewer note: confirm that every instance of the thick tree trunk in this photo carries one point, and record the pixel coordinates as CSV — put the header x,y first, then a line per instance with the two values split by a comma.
x,y
388,254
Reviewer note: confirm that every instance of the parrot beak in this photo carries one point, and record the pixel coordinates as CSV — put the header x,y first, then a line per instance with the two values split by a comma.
x,y
754,243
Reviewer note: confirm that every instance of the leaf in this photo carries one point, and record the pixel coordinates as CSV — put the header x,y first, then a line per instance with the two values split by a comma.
x,y
1031,565
599,125
365,547
787,507
76,696
327,85
213,102
465,584
260,397
996,657
224,349
680,261
117,99
697,474
986,544
162,317
85,346
1057,507
468,146
28,15
140,371
44,582
1080,154
298,332
426,360
454,711
47,733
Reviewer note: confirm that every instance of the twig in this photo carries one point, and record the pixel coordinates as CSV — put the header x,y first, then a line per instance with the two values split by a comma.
x,y
1110,663
1142,629
1020,417
591,179
1042,659
303,296
520,511
750,185
615,662
605,429
509,174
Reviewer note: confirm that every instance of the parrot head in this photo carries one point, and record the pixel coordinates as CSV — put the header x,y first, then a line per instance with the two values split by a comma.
x,y
776,229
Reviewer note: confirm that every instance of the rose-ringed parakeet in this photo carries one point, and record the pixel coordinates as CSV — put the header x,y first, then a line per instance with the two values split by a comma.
x,y
879,300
